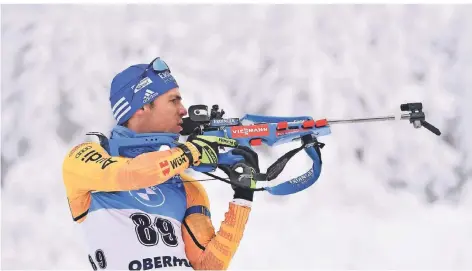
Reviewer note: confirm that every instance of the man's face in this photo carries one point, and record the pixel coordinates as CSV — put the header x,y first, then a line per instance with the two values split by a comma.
x,y
165,116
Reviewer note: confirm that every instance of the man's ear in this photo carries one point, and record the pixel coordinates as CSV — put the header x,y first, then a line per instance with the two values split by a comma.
x,y
141,111
147,107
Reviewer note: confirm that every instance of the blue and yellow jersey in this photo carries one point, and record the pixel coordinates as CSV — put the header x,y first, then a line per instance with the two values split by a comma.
x,y
145,213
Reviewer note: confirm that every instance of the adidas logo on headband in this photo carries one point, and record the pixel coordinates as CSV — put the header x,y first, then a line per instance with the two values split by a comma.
x,y
149,95
120,108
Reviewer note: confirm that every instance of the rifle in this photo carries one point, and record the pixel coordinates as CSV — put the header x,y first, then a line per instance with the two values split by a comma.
x,y
273,131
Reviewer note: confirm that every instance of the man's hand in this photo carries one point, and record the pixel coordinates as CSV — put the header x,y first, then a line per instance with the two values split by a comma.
x,y
250,166
208,146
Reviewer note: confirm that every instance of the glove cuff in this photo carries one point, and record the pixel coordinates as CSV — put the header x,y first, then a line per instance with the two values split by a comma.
x,y
242,202
191,152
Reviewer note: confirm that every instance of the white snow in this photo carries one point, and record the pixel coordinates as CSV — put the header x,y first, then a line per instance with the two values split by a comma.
x,y
405,204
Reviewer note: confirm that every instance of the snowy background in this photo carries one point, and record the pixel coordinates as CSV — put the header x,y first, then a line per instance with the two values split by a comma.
x,y
389,197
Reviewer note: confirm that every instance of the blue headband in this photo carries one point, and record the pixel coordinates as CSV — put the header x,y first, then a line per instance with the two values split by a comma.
x,y
138,85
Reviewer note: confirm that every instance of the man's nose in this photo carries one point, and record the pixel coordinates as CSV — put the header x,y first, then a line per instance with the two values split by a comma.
x,y
183,111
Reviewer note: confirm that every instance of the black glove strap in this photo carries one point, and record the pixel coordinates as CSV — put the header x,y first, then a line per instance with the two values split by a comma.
x,y
187,153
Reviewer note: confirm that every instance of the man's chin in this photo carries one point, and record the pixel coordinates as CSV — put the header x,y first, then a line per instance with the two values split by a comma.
x,y
179,129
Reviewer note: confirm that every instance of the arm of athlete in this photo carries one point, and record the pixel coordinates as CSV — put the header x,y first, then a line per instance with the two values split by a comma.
x,y
88,167
206,249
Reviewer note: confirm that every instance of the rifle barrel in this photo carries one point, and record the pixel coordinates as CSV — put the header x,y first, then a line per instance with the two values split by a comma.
x,y
370,119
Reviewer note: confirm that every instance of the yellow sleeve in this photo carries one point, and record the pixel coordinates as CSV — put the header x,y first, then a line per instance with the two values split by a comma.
x,y
205,249
88,167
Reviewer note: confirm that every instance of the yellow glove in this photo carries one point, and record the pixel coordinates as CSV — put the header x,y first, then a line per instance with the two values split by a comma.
x,y
208,146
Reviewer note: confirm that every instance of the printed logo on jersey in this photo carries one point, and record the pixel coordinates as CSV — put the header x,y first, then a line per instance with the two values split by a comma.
x,y
82,151
94,156
158,262
164,165
178,161
150,196
76,147
100,258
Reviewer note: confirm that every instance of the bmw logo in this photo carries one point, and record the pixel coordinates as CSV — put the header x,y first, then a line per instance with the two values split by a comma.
x,y
150,196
